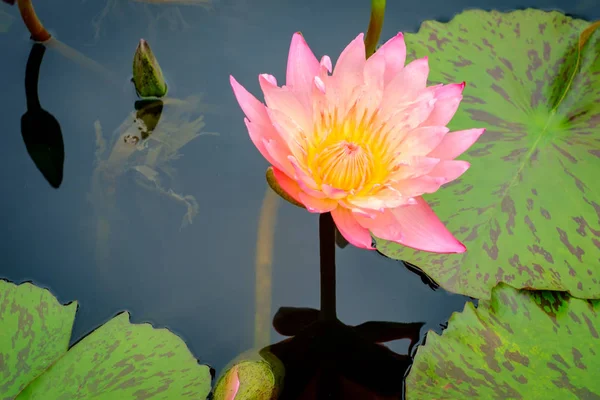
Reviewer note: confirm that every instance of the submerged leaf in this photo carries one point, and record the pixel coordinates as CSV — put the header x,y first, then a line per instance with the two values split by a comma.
x,y
518,345
528,208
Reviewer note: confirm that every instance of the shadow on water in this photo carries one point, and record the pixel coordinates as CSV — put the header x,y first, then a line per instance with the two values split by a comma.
x,y
40,130
325,358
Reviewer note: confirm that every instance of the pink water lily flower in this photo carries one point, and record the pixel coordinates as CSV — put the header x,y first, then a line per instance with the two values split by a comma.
x,y
363,142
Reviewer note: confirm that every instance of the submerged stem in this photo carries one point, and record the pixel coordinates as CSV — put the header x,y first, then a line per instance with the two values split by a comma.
x,y
375,26
327,250
32,22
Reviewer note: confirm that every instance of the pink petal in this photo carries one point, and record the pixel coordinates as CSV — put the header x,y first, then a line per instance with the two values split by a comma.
x,y
333,193
406,85
413,167
448,99
348,72
394,52
288,185
421,141
278,155
303,177
450,169
291,133
268,144
407,116
302,64
254,109
386,197
286,101
316,205
373,89
383,226
455,143
233,384
351,229
418,186
422,229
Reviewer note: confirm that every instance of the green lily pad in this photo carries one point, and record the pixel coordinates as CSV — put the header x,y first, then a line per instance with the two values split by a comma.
x,y
528,209
518,345
119,360
34,332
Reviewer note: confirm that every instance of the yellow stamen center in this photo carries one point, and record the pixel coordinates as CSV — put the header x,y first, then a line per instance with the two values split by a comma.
x,y
344,165
349,153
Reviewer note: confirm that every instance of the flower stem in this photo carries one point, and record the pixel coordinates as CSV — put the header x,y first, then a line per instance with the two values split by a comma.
x,y
375,26
32,22
327,250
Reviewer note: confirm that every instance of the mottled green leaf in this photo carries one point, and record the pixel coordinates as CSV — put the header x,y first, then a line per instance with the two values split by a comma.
x,y
34,332
121,360
528,209
518,345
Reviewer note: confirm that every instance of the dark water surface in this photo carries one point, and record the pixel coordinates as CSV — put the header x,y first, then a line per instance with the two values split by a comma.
x,y
199,279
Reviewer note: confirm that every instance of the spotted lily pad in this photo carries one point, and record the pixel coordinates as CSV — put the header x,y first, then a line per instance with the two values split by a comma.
x,y
518,345
119,360
528,209
34,332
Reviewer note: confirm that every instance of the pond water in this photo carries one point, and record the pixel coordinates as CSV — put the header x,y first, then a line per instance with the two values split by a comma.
x,y
123,243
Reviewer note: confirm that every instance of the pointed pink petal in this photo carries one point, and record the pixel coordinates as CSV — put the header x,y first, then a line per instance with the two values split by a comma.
x,y
350,228
422,229
418,186
413,167
348,72
383,226
287,184
268,144
456,143
286,101
406,116
448,98
450,169
373,89
333,193
422,140
302,64
300,173
394,52
254,109
292,134
316,205
406,85
278,156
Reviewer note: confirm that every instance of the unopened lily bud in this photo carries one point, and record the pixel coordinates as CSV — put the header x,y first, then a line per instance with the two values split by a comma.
x,y
248,380
147,75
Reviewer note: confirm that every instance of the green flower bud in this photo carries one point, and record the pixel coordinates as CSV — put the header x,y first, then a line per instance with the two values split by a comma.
x,y
248,380
147,75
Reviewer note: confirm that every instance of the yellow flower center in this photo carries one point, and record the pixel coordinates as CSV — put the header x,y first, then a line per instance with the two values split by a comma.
x,y
344,165
351,155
